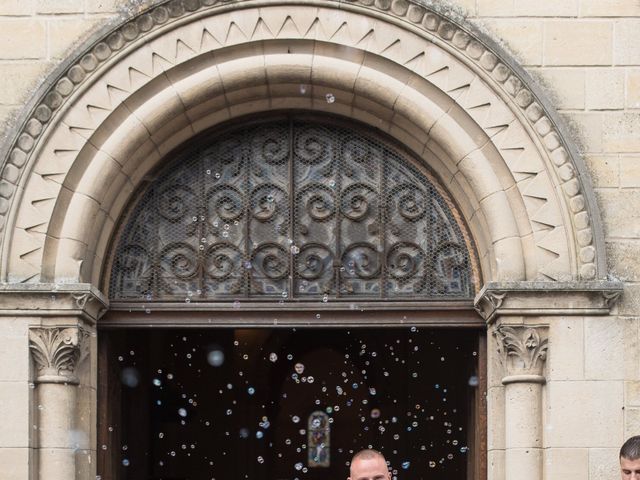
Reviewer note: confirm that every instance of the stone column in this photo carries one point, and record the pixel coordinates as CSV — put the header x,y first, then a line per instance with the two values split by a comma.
x,y
59,333
522,317
57,352
523,350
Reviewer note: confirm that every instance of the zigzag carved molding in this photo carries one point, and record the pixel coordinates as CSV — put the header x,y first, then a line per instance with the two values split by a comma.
x,y
434,26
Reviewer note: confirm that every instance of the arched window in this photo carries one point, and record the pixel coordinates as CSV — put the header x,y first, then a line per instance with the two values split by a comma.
x,y
293,209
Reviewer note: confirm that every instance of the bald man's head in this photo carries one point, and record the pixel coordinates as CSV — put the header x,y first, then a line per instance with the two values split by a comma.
x,y
369,465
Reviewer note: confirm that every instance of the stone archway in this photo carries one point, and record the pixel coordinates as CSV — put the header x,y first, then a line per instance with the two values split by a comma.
x,y
444,91
397,66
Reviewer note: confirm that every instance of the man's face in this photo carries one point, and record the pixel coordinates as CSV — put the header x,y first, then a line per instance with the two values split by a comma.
x,y
370,469
629,469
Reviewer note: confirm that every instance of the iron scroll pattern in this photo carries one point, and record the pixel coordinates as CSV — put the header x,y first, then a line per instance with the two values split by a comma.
x,y
292,210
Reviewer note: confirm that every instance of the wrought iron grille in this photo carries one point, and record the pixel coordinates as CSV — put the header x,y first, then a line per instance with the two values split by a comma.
x,y
292,210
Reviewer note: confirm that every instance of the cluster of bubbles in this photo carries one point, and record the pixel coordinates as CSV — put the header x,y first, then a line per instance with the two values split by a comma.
x,y
348,392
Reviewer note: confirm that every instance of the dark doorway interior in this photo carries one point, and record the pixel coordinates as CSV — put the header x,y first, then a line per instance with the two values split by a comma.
x,y
275,404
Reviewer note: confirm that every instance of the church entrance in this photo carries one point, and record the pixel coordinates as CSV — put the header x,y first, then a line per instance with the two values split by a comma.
x,y
309,284
275,404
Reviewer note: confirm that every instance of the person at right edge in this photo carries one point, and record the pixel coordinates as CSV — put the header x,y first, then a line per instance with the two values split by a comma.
x,y
630,459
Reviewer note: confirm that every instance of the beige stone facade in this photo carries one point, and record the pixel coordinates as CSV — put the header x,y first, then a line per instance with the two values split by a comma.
x,y
528,111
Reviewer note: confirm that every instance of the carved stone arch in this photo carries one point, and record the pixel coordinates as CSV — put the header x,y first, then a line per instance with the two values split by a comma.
x,y
185,66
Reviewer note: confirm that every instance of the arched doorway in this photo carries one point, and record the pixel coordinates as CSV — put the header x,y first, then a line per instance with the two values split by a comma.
x,y
434,84
302,215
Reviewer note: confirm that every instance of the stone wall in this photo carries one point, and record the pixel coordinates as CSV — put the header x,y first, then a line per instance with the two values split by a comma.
x,y
586,54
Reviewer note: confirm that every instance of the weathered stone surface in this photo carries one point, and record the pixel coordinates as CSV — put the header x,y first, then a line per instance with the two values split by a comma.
x,y
15,76
629,304
603,355
567,346
604,89
22,38
604,170
17,7
15,462
631,422
64,33
14,408
600,401
546,8
609,8
567,463
522,37
620,212
595,47
567,85
627,38
59,6
632,392
621,133
603,463
587,128
633,88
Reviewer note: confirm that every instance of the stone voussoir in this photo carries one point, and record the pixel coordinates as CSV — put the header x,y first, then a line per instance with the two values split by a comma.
x,y
427,18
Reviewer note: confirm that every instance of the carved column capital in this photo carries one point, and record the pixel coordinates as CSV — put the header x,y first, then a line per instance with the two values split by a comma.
x,y
57,351
523,351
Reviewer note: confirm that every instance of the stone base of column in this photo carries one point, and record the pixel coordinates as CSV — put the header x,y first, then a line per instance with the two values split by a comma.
x,y
523,464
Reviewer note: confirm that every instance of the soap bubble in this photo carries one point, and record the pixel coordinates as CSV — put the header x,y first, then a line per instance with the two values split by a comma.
x,y
273,357
215,357
130,377
299,367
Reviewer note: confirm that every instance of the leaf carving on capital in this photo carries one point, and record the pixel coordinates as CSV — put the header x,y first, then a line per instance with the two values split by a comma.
x,y
610,298
81,299
57,351
523,350
495,299
488,304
